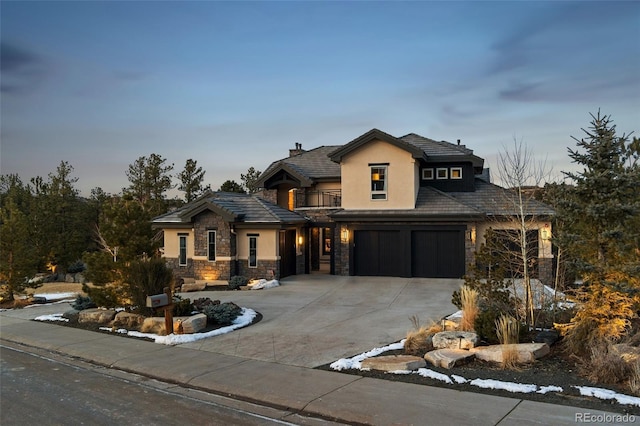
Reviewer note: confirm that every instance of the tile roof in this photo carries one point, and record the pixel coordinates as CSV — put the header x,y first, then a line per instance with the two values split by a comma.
x,y
234,207
313,164
435,148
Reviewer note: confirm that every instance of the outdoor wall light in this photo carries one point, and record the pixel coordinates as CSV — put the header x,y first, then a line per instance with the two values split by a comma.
x,y
471,235
345,235
300,240
545,234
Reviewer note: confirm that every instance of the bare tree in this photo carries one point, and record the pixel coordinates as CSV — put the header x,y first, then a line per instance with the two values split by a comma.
x,y
522,174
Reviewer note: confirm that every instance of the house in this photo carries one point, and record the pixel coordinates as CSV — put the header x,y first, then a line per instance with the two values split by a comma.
x,y
378,205
222,234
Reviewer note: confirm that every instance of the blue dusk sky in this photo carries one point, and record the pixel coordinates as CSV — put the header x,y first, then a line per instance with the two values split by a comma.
x,y
236,84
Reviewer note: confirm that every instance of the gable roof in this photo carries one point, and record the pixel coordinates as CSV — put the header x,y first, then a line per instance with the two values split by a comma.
x,y
306,167
375,134
232,207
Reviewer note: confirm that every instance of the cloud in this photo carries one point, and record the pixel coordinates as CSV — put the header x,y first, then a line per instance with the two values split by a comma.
x,y
21,69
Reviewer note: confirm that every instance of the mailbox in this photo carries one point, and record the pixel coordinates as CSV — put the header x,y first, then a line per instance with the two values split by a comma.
x,y
157,301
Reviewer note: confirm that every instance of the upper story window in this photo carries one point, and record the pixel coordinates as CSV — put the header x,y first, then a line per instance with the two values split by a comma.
x,y
456,173
211,246
378,182
442,173
427,174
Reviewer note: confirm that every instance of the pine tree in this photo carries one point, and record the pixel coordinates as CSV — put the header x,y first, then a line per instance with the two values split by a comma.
x,y
191,179
250,179
600,215
18,261
232,186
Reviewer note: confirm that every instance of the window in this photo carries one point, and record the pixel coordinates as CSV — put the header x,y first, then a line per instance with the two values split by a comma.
x,y
211,246
182,256
427,174
456,173
379,182
253,252
442,173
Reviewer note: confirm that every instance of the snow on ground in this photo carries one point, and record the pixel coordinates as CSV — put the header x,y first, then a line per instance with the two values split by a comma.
x,y
57,296
52,317
356,364
263,284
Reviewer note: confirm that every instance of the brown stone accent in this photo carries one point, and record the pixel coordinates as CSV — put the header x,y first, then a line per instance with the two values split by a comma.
x,y
207,221
545,270
262,271
180,271
270,195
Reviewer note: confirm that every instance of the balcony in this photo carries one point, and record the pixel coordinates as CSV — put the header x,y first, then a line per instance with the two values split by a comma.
x,y
319,199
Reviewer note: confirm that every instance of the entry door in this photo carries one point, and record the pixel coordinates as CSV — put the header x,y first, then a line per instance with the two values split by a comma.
x,y
287,253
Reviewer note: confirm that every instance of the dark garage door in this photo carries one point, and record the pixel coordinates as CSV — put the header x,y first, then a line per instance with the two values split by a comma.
x,y
437,254
379,253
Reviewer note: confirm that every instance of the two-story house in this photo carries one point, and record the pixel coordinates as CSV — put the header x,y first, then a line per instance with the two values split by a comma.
x,y
382,205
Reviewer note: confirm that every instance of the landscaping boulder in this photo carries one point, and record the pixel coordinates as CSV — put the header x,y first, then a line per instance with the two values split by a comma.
x,y
448,358
154,325
455,340
527,352
128,320
394,363
97,315
547,336
190,325
71,315
194,286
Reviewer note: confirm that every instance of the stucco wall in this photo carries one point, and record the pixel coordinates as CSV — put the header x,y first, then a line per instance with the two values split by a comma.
x,y
172,242
401,177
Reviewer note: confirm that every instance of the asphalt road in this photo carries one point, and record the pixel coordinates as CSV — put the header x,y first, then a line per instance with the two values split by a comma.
x,y
48,389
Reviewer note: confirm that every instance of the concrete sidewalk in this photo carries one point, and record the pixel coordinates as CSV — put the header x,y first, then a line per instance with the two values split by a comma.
x,y
266,376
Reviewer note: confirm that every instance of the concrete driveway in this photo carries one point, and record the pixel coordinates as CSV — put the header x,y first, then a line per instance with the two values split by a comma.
x,y
311,320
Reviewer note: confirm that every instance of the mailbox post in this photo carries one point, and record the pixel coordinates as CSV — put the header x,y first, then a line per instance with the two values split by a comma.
x,y
164,301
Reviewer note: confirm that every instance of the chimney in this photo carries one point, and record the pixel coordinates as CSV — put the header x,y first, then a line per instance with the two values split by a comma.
x,y
458,141
298,150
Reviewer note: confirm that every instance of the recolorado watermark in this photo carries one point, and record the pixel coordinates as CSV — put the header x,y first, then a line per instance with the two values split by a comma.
x,y
604,418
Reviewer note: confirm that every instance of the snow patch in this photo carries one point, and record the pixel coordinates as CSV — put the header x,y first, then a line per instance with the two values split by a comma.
x,y
552,388
508,386
425,372
608,394
356,361
263,284
52,317
458,379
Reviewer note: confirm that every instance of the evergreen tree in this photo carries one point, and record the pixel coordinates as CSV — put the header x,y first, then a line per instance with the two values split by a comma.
x,y
600,214
191,179
18,261
232,186
249,180
150,179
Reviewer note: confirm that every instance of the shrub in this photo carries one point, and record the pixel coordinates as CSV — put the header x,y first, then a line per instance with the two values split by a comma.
x,y
147,277
83,302
77,266
202,302
419,340
237,281
469,302
634,380
182,307
223,313
107,296
606,366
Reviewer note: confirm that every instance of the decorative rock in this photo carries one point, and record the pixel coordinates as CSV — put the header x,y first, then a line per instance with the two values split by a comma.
x,y
527,352
394,363
128,320
100,316
71,315
192,324
153,325
447,358
195,286
547,336
455,340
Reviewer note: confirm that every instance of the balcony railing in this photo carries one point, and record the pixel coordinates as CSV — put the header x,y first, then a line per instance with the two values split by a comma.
x,y
326,199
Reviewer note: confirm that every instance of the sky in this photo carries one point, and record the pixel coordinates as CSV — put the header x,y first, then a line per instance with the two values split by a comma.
x,y
237,84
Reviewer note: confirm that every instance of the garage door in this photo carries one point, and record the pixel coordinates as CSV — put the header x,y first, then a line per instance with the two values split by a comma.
x,y
380,253
437,254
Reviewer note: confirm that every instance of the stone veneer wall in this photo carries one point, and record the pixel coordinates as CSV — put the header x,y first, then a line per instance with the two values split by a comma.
x,y
180,271
262,271
341,252
545,270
